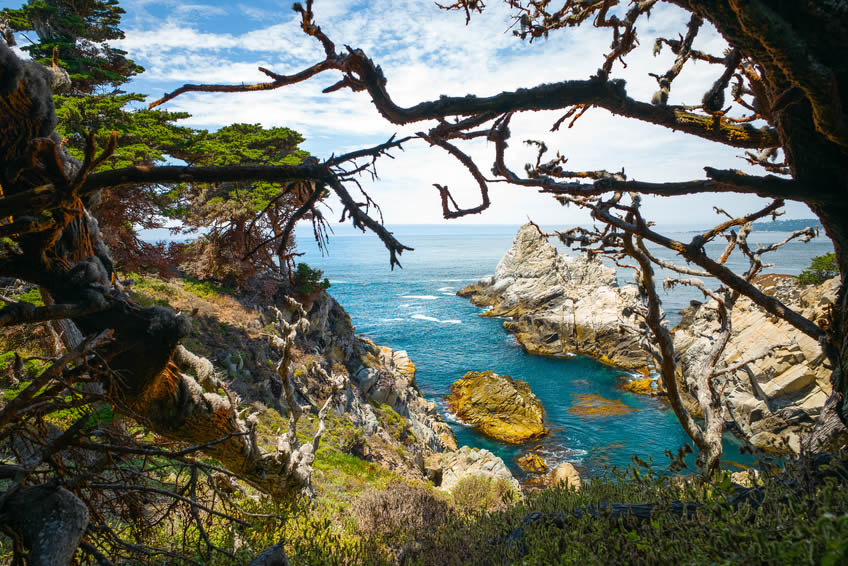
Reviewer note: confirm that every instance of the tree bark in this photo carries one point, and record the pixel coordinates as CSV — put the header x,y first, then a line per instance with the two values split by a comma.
x,y
50,521
62,252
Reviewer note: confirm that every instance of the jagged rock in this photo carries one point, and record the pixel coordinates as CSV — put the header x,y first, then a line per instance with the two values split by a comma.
x,y
565,474
775,399
501,407
467,462
379,376
532,463
640,386
561,304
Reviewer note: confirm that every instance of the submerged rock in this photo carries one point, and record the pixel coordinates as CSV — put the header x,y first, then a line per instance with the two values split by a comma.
x,y
466,462
501,407
566,475
560,304
593,405
773,400
532,463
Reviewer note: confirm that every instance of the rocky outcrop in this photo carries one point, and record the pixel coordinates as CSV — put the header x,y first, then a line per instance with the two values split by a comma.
x,y
532,463
381,389
775,399
499,406
565,475
387,377
467,462
560,304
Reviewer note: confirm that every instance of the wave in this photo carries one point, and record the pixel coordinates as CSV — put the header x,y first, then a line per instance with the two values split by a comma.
x,y
460,280
434,319
420,297
445,289
558,455
452,418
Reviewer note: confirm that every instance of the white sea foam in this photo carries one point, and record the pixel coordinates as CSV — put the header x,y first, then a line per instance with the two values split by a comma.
x,y
420,297
452,418
443,289
434,319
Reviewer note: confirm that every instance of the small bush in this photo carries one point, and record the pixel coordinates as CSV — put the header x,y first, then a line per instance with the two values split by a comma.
x,y
821,269
479,494
308,280
399,512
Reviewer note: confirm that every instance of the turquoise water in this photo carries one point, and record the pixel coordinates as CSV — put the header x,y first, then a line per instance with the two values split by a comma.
x,y
416,309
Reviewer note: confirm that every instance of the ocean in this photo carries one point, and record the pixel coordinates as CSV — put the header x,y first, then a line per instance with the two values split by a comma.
x,y
416,309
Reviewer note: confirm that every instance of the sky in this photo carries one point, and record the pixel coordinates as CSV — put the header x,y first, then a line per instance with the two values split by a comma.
x,y
426,52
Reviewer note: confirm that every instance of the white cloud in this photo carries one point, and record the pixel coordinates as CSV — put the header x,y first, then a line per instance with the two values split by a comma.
x,y
424,53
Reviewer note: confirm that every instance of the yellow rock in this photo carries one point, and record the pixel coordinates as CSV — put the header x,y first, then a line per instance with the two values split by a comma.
x,y
640,386
501,407
532,463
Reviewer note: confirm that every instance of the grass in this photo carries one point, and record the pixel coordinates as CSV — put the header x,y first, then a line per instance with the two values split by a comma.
x,y
205,289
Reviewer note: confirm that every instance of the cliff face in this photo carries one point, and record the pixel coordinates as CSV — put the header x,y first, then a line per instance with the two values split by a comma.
x,y
560,304
416,441
774,399
380,380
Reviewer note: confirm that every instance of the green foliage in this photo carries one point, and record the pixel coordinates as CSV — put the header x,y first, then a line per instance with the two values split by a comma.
x,y
798,522
78,31
143,136
308,280
33,297
821,269
205,289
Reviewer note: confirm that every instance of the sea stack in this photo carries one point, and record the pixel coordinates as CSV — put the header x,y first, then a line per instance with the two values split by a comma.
x,y
561,304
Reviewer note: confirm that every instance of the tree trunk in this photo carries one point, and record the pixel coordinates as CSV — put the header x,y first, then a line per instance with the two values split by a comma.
x,y
50,521
60,250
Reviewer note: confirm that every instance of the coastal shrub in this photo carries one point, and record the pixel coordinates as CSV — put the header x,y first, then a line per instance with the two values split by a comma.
x,y
308,280
401,515
821,269
481,493
394,424
797,516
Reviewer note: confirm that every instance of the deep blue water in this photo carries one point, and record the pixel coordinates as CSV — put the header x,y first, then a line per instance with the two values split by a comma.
x,y
416,309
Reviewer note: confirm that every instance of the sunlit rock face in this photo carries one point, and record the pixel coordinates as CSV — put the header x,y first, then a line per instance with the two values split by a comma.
x,y
777,398
499,406
561,304
466,462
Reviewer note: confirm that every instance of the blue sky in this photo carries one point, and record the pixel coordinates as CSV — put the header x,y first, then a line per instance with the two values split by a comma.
x,y
426,52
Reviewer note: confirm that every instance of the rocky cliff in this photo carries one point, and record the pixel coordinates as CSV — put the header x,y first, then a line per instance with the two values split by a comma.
x,y
560,304
773,400
414,440
381,387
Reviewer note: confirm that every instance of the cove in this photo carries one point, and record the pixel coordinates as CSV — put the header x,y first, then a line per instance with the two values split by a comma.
x,y
416,309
